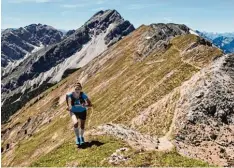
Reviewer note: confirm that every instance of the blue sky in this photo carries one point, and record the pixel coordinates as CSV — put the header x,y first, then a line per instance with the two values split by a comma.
x,y
204,15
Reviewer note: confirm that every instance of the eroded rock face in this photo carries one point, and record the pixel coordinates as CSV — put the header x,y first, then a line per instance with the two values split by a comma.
x,y
205,121
159,37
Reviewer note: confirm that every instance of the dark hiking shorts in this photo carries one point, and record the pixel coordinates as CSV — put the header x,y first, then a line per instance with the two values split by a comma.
x,y
81,115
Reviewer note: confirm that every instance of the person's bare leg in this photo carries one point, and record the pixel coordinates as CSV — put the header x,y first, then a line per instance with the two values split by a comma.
x,y
82,127
75,125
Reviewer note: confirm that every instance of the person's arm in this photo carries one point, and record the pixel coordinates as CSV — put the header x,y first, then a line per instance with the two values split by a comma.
x,y
68,100
87,100
89,104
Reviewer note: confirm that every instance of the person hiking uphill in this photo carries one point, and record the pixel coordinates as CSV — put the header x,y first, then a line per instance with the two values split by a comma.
x,y
78,103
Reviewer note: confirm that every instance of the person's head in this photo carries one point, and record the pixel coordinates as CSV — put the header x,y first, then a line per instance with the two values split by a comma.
x,y
78,88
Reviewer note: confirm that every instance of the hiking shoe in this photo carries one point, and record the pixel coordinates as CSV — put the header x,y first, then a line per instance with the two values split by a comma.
x,y
78,141
82,140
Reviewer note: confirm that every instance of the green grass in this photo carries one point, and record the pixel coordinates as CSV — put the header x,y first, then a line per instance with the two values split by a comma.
x,y
119,100
122,97
165,159
41,140
68,155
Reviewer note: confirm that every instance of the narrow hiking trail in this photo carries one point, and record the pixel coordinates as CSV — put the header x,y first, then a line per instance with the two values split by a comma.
x,y
134,138
90,116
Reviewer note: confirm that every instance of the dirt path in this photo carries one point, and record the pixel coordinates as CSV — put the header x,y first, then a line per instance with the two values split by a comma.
x,y
135,139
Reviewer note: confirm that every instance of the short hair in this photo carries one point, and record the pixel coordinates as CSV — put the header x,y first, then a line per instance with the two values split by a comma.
x,y
78,84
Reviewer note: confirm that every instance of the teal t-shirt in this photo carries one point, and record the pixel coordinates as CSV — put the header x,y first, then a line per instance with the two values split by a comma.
x,y
77,107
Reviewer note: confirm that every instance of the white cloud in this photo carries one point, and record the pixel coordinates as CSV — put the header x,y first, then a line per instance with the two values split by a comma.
x,y
100,2
167,19
138,6
141,6
98,9
65,13
11,18
82,4
72,5
78,4
32,1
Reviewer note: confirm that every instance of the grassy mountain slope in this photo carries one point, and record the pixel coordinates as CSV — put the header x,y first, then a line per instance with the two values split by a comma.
x,y
132,83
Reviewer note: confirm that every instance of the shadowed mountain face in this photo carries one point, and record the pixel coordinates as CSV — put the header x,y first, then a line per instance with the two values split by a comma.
x,y
47,66
16,43
225,41
157,87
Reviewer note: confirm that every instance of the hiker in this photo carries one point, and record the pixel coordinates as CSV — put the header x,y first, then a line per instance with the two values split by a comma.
x,y
78,103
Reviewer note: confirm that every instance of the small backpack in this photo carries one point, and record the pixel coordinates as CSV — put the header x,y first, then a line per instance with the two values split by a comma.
x,y
73,99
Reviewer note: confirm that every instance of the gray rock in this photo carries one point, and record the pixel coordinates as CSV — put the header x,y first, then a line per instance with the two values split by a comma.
x,y
159,38
208,124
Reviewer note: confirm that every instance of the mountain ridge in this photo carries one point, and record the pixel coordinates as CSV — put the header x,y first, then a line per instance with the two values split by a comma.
x,y
162,95
47,66
151,69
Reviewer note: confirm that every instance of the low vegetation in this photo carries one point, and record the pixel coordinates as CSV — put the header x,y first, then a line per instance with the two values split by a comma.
x,y
120,91
102,147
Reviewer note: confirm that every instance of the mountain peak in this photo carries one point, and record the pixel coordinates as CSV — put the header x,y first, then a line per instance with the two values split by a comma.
x,y
106,11
101,12
39,26
75,50
104,18
172,26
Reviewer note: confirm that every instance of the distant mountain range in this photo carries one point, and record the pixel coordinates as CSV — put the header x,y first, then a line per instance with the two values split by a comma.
x,y
37,55
17,43
225,41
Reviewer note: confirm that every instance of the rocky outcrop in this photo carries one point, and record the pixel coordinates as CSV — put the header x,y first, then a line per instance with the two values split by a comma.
x,y
118,156
70,32
133,138
205,121
158,38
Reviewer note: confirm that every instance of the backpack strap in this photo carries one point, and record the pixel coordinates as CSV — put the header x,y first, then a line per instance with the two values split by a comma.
x,y
82,101
73,99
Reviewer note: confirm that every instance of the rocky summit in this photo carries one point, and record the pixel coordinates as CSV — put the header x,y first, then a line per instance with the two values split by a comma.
x,y
50,64
162,95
